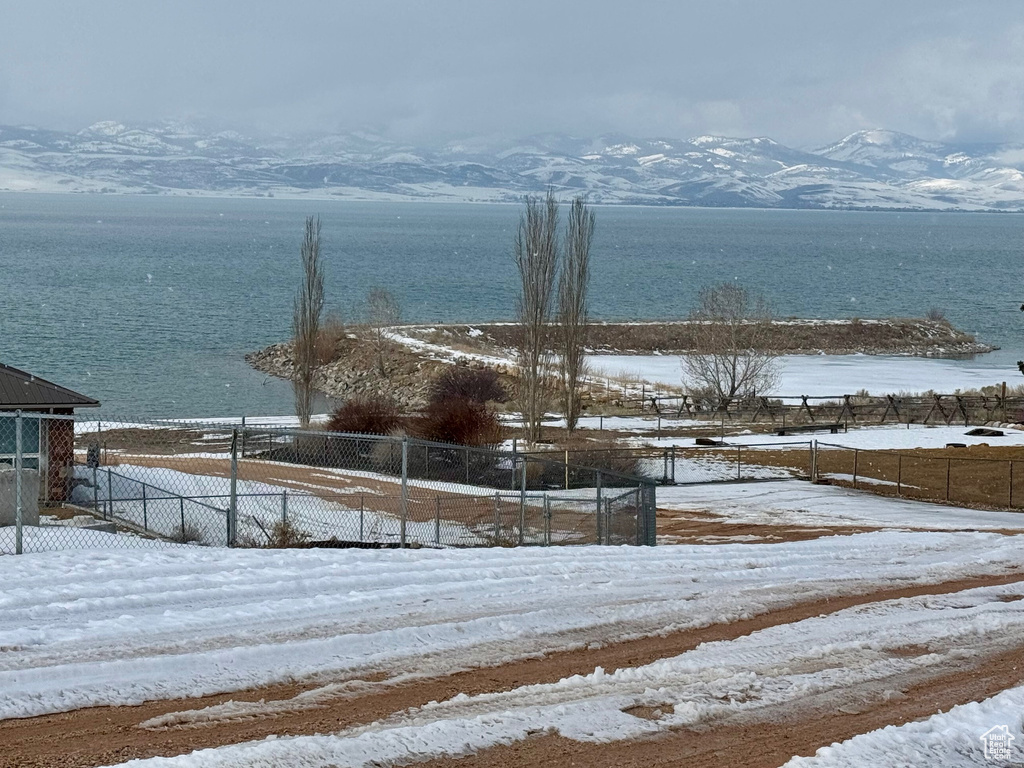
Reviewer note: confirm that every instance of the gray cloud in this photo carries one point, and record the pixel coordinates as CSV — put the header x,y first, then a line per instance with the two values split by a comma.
x,y
804,73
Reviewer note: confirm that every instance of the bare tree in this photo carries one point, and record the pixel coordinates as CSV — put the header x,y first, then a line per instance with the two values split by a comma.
x,y
732,355
382,313
309,304
573,308
536,257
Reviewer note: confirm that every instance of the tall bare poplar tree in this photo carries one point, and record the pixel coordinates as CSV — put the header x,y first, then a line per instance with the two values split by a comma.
x,y
536,257
573,307
309,304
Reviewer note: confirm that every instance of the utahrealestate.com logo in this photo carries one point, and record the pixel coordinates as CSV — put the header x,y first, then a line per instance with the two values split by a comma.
x,y
997,743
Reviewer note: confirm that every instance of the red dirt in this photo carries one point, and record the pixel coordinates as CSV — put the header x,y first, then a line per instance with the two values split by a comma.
x,y
104,735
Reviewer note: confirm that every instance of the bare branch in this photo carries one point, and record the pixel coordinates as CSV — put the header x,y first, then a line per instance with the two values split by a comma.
x,y
732,356
383,312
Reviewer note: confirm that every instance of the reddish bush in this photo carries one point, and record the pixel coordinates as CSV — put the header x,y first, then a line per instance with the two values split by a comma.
x,y
460,421
370,415
477,385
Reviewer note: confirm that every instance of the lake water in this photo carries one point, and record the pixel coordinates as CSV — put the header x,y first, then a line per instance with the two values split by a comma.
x,y
149,303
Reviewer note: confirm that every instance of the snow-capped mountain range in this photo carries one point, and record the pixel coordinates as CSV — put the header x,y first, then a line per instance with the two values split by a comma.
x,y
868,169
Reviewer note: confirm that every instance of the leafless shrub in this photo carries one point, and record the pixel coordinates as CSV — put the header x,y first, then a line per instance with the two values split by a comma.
x,y
460,421
536,257
285,534
732,355
368,415
573,309
937,315
309,304
478,385
189,534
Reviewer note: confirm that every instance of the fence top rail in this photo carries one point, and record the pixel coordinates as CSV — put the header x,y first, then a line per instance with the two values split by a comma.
x,y
170,494
280,431
501,454
655,450
799,399
914,453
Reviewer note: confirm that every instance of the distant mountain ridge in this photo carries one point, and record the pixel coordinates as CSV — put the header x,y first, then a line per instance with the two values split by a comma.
x,y
875,169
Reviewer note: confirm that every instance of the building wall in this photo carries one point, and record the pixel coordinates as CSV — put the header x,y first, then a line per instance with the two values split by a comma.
x,y
51,450
61,454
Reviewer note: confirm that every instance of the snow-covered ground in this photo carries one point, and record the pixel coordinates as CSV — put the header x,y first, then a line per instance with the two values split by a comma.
x,y
830,375
86,424
322,511
47,538
799,503
878,438
948,739
121,627
837,660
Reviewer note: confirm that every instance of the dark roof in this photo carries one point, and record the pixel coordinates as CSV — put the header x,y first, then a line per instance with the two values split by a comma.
x,y
19,389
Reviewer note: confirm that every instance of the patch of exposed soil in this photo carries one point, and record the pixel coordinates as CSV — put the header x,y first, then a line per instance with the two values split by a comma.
x,y
889,336
699,527
770,740
104,735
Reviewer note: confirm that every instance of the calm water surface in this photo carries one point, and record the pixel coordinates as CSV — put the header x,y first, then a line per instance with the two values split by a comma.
x,y
149,303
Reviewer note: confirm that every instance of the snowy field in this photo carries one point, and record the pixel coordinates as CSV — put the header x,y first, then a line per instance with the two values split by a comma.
x,y
875,438
334,512
799,503
948,739
124,627
136,625
829,375
857,651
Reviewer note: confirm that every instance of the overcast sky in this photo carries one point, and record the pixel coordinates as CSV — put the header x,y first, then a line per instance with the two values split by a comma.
x,y
804,73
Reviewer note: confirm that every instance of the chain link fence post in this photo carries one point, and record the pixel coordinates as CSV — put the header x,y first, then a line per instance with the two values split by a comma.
x,y
233,498
639,517
522,501
547,521
437,521
597,487
405,491
18,548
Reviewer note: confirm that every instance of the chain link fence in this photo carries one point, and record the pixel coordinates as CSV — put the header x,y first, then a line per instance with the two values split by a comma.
x,y
129,483
931,476
717,462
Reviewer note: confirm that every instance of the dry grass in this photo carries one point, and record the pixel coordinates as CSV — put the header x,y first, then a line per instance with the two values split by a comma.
x,y
983,476
673,337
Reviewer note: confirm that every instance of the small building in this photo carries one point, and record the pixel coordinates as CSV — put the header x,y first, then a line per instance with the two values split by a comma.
x,y
48,444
